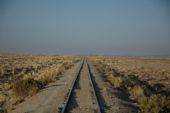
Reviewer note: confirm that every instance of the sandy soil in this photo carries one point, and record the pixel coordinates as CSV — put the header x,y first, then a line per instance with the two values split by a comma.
x,y
50,99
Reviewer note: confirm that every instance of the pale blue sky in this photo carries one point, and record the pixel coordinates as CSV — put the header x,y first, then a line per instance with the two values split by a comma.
x,y
117,27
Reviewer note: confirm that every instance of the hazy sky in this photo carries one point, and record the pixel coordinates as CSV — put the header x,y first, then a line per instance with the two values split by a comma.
x,y
118,27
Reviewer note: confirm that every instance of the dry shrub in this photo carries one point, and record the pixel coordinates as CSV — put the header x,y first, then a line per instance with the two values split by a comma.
x,y
100,66
2,99
108,70
136,92
23,88
131,81
1,70
7,86
66,65
27,76
116,81
45,80
154,104
61,69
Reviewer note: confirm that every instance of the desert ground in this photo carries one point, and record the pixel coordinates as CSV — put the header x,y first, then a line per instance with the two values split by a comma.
x,y
84,84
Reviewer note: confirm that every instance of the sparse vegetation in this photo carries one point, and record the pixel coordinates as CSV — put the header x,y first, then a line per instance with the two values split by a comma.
x,y
2,99
23,88
136,92
24,75
146,85
154,104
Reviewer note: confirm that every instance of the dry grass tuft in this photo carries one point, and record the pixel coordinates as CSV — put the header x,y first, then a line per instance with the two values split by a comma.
x,y
136,92
23,88
154,104
116,81
2,99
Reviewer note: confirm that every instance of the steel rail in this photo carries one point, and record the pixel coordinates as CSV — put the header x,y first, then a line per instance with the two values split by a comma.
x,y
94,90
71,90
64,108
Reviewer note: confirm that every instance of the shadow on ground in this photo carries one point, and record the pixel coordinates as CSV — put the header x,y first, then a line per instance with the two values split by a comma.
x,y
73,103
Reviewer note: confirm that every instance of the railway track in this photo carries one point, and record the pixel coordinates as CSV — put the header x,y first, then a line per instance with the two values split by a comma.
x,y
82,96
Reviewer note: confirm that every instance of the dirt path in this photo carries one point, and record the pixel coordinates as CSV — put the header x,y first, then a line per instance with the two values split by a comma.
x,y
49,99
82,100
111,100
